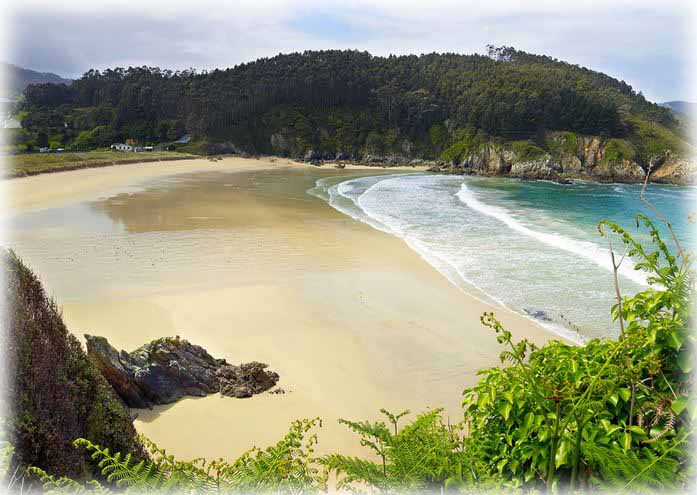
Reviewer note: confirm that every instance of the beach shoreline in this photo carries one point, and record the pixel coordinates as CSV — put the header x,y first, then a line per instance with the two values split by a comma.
x,y
40,191
351,318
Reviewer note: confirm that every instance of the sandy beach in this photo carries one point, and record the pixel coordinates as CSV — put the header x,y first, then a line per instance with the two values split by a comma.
x,y
235,257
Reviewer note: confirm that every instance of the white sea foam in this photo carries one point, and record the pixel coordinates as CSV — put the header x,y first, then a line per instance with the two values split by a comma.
x,y
510,243
349,198
587,250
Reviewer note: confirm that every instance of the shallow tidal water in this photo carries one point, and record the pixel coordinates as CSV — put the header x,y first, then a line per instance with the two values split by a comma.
x,y
530,246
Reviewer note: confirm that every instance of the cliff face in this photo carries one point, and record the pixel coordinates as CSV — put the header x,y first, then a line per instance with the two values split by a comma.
x,y
55,393
587,157
558,156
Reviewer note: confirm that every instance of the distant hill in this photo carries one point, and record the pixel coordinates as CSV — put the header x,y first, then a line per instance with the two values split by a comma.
x,y
18,78
684,107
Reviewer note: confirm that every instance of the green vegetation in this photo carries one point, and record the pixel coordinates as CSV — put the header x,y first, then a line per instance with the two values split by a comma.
x,y
346,102
287,467
653,139
607,415
55,392
526,150
426,455
98,137
559,143
462,143
39,163
617,150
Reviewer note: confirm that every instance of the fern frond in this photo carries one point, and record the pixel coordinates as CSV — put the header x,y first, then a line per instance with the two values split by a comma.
x,y
646,470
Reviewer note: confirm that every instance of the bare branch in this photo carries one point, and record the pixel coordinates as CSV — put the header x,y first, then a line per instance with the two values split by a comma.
x,y
618,294
659,215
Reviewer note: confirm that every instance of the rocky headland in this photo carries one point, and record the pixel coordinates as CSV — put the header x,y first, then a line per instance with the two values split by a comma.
x,y
567,157
168,369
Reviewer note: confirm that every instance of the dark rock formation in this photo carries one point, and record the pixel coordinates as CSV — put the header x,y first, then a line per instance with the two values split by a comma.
x,y
245,380
167,369
312,156
54,391
538,314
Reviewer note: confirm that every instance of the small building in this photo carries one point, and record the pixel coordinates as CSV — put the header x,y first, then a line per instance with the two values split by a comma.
x,y
121,147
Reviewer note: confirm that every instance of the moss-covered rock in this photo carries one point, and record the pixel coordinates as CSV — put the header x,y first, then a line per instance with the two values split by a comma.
x,y
54,391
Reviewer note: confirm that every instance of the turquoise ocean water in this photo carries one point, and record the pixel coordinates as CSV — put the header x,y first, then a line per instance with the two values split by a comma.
x,y
531,246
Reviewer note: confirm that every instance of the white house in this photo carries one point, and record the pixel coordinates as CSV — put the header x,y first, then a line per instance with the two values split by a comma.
x,y
121,147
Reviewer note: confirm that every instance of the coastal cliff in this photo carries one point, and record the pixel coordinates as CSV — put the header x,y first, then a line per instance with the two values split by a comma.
x,y
562,156
569,156
54,392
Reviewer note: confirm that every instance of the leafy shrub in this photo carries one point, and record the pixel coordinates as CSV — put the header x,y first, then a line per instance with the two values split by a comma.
x,y
425,455
653,139
617,150
608,412
462,143
562,143
526,151
100,136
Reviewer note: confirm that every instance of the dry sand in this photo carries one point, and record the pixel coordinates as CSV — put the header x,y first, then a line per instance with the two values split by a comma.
x,y
350,317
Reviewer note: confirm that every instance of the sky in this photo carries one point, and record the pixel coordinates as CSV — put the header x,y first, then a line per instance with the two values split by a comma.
x,y
648,44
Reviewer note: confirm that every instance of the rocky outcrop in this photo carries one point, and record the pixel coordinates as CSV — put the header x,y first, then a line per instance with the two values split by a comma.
x,y
489,160
618,171
312,156
670,169
588,158
167,369
280,144
543,168
245,380
563,157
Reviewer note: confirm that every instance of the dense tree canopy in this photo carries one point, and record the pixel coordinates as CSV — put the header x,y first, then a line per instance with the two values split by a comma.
x,y
343,101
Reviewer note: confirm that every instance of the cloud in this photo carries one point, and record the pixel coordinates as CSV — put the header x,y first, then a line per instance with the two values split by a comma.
x,y
646,45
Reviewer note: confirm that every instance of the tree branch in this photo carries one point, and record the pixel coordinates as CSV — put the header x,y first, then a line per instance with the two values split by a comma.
x,y
659,215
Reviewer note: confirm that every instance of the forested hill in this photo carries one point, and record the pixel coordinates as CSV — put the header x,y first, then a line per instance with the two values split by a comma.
x,y
18,78
351,102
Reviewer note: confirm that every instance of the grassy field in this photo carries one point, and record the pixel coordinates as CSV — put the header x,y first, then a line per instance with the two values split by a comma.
x,y
41,163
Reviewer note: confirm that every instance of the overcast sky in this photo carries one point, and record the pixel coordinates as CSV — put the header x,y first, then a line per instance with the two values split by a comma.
x,y
647,44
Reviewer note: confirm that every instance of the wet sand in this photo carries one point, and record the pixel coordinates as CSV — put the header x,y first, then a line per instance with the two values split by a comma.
x,y
234,256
